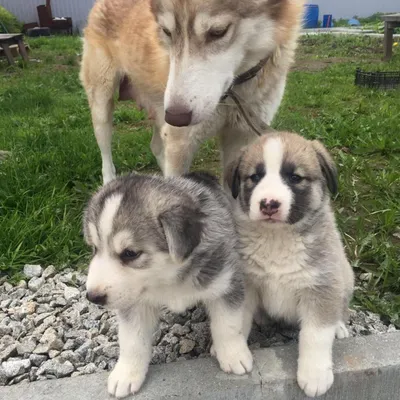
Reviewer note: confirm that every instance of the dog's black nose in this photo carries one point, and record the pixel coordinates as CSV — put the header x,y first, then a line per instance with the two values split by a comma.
x,y
269,207
178,116
97,298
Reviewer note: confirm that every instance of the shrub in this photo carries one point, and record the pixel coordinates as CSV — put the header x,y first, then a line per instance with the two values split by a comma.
x,y
8,22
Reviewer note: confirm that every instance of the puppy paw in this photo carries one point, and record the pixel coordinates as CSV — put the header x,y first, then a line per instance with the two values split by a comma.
x,y
234,357
125,380
341,331
314,381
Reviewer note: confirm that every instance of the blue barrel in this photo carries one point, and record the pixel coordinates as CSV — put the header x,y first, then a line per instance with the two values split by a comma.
x,y
327,21
310,18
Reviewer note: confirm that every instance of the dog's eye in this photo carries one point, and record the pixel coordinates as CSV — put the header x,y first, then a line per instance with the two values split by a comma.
x,y
217,33
94,250
167,32
129,255
255,178
295,178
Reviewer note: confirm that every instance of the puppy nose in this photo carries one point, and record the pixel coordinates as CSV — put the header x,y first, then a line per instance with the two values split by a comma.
x,y
97,298
269,207
178,116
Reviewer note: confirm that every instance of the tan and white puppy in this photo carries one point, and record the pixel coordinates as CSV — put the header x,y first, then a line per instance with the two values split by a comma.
x,y
177,58
296,264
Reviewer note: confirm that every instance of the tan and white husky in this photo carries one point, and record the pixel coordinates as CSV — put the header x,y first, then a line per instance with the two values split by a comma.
x,y
177,59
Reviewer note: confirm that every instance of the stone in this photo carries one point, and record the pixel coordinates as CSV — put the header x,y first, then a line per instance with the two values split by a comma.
x,y
40,318
5,330
8,351
35,283
5,304
71,293
186,346
366,277
31,271
56,368
22,284
157,337
81,307
3,377
199,315
49,272
84,348
179,330
69,345
111,351
59,302
37,359
26,346
169,338
53,353
72,357
15,368
7,287
88,369
28,308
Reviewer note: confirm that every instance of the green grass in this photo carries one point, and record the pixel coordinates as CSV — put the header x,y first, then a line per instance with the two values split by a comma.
x,y
55,163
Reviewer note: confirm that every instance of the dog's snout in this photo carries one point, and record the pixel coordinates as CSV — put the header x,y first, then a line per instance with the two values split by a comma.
x,y
269,207
97,298
178,116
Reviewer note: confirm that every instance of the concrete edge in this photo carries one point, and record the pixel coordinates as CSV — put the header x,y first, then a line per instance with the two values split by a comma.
x,y
366,368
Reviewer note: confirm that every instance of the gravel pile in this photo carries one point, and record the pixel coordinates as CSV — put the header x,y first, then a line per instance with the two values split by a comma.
x,y
49,330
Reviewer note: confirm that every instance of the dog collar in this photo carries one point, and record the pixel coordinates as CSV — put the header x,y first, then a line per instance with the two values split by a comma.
x,y
246,76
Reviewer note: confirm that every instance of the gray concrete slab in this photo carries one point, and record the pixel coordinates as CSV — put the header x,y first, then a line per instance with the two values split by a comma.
x,y
366,368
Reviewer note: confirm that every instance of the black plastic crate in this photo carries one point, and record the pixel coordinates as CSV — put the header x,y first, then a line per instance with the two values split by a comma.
x,y
378,80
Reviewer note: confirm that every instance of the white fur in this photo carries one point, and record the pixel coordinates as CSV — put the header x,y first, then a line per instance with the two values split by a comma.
x,y
272,186
107,216
314,373
197,81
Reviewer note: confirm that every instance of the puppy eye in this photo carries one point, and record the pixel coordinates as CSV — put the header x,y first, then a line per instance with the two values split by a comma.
x,y
217,33
129,255
295,178
167,32
94,250
255,178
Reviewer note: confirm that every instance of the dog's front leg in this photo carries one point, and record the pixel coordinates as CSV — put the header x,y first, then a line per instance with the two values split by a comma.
x,y
229,344
135,328
179,150
314,373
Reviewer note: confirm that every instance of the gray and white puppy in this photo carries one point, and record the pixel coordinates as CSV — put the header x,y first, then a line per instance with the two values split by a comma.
x,y
296,264
165,242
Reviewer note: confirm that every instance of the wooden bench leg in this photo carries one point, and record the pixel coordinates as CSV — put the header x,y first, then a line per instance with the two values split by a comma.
x,y
8,53
22,50
388,42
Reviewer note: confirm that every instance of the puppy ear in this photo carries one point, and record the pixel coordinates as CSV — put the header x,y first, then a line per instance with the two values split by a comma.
x,y
183,228
327,165
232,177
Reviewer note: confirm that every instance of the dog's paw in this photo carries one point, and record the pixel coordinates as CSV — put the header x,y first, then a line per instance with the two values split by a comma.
x,y
314,381
341,331
234,357
125,380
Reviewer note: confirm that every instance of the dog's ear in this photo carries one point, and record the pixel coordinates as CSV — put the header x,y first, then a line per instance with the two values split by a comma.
x,y
327,165
232,177
183,228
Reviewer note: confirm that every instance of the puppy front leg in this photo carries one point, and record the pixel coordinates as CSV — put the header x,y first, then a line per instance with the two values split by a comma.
x,y
229,344
314,373
135,328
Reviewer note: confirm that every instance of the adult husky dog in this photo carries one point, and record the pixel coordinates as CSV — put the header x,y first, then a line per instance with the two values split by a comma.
x,y
178,59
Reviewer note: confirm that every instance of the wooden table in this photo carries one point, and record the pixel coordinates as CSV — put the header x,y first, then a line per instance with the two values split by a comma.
x,y
391,21
8,39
